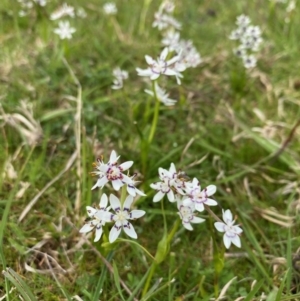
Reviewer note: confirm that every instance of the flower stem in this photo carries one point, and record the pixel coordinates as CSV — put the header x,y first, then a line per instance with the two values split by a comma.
x,y
155,116
143,16
162,251
123,194
149,278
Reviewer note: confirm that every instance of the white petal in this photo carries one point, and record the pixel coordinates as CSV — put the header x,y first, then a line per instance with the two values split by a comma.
x,y
103,201
220,226
211,189
155,185
227,216
91,211
162,173
140,192
127,203
149,60
171,197
129,230
197,220
195,182
158,196
99,231
117,184
199,207
211,202
154,76
126,165
172,168
188,226
105,216
137,214
236,241
131,190
164,54
101,182
126,179
173,60
238,230
86,228
114,233
227,241
187,202
113,157
144,72
114,202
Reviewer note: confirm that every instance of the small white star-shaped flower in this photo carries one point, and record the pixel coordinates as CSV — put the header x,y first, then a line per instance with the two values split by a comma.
x,y
187,215
121,216
95,216
110,8
199,197
111,172
161,66
64,30
161,95
231,232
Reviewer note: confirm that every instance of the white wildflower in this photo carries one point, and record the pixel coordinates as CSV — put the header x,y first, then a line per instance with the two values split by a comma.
x,y
160,66
95,218
64,30
231,232
64,10
161,95
187,215
111,171
197,197
110,8
119,75
121,217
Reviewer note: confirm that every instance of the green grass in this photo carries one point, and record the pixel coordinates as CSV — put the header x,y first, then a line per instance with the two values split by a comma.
x,y
214,119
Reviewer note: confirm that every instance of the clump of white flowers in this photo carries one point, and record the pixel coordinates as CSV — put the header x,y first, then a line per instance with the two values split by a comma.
x,y
249,38
112,172
110,8
64,29
178,54
27,5
192,199
119,76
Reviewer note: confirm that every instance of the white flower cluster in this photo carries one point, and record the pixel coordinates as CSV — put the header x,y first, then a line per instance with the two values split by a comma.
x,y
110,8
190,199
163,18
119,76
250,39
64,30
27,5
185,55
112,172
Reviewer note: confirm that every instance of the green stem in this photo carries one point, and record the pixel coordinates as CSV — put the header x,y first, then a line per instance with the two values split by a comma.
x,y
143,16
149,278
162,250
174,230
123,194
155,116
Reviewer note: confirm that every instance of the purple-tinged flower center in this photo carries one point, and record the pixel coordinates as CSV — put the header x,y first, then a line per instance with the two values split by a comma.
x,y
159,67
114,173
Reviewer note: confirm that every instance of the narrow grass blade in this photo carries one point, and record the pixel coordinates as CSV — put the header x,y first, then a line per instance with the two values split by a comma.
x,y
101,280
117,280
255,289
20,284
